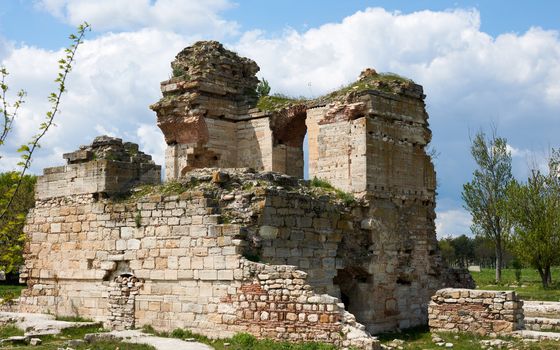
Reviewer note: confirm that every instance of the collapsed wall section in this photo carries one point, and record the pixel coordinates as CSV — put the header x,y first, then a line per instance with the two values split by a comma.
x,y
107,166
181,257
370,139
483,312
208,117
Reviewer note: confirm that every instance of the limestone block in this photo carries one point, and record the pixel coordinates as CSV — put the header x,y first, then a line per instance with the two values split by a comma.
x,y
133,244
268,232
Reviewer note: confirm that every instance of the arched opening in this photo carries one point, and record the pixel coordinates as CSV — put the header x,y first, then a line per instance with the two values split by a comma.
x,y
351,281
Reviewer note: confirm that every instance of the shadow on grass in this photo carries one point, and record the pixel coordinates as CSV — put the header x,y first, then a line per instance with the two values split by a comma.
x,y
410,334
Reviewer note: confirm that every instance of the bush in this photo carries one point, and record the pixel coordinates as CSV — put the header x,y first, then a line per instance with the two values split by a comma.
x,y
245,340
263,88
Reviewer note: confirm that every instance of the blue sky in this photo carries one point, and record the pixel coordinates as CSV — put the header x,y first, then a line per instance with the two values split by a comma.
x,y
480,62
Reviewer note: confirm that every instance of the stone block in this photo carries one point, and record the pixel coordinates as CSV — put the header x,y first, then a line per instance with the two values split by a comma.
x,y
268,232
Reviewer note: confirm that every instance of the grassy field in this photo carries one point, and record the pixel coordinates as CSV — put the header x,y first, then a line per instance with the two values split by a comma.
x,y
421,339
529,288
10,290
414,339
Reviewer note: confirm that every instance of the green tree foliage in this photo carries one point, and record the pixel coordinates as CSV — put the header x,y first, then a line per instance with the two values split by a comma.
x,y
447,251
263,88
464,250
12,237
535,212
485,195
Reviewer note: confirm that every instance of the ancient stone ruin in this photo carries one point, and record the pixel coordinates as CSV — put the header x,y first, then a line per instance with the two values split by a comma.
x,y
483,312
235,240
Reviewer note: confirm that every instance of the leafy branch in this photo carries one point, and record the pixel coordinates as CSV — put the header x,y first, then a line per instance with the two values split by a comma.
x,y
27,150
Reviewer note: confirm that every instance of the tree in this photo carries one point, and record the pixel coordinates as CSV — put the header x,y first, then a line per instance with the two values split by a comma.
x,y
464,250
485,195
447,251
11,218
12,237
535,212
263,88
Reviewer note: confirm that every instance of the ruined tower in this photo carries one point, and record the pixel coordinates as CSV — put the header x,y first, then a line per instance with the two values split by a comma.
x,y
368,139
208,118
240,243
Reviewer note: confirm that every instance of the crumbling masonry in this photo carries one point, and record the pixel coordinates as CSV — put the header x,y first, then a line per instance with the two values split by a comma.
x,y
235,240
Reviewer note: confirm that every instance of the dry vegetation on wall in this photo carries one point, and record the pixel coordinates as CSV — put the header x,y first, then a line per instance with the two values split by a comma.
x,y
370,80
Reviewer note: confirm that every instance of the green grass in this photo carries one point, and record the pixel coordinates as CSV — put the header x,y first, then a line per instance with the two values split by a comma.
x,y
345,197
277,102
73,319
420,338
54,342
11,291
240,341
530,287
9,331
386,82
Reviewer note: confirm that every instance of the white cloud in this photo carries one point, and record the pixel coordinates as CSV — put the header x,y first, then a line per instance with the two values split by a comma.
x,y
5,47
444,51
113,81
151,141
184,16
472,79
453,222
516,152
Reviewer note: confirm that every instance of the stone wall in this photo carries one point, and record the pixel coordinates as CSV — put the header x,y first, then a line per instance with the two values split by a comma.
x,y
177,260
486,313
107,166
365,243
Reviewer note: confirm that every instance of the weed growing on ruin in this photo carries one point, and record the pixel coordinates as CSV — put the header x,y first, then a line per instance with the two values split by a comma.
x,y
277,102
386,82
226,218
320,183
172,187
263,88
178,71
138,219
148,329
347,198
9,298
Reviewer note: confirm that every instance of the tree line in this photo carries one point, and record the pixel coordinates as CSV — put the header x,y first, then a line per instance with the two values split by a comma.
x,y
463,251
521,217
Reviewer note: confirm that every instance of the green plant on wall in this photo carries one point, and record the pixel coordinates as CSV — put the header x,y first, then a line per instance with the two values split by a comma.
x,y
263,88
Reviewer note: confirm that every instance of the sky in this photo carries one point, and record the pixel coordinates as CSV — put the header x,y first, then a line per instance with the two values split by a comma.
x,y
483,64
